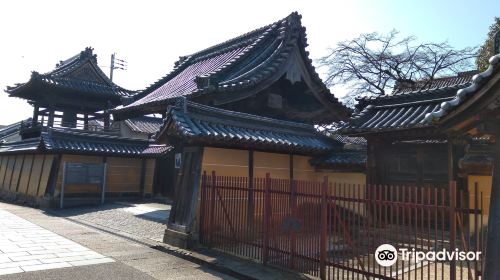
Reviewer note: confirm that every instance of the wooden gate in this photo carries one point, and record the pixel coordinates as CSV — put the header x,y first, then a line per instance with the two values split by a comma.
x,y
332,231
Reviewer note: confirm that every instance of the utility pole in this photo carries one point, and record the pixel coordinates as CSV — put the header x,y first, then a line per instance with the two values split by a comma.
x,y
112,66
116,64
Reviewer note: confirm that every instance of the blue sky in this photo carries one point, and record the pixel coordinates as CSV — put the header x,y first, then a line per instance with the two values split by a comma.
x,y
151,35
463,23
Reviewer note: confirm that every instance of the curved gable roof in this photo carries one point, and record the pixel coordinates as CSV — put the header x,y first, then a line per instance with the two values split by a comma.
x,y
78,73
254,59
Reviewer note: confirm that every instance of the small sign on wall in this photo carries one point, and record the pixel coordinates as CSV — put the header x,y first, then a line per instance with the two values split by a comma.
x,y
178,158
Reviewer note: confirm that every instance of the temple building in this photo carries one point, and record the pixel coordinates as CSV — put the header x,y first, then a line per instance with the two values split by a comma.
x,y
71,152
403,147
245,107
430,137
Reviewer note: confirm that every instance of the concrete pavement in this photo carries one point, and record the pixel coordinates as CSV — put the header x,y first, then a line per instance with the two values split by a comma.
x,y
121,258
145,223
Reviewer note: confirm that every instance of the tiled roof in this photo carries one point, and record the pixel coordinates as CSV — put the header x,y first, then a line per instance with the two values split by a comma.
x,y
463,94
201,124
28,145
79,73
398,112
11,129
79,142
342,158
238,65
461,78
349,140
147,125
154,149
416,109
477,154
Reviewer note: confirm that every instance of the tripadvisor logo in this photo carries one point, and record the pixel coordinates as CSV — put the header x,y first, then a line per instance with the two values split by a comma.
x,y
387,255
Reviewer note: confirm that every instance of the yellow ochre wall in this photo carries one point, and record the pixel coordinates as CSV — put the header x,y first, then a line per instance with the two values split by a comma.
x,y
225,162
230,162
28,174
25,174
123,175
484,188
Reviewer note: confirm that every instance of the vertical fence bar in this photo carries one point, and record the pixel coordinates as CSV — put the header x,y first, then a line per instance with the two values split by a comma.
x,y
212,210
453,221
202,206
265,238
324,225
293,214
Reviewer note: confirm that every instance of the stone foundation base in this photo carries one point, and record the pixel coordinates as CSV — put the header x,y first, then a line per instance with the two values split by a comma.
x,y
179,239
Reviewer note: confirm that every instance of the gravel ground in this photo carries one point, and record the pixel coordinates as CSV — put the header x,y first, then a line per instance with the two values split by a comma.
x,y
122,217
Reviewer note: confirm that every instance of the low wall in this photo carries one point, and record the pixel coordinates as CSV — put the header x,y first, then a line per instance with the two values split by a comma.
x,y
37,178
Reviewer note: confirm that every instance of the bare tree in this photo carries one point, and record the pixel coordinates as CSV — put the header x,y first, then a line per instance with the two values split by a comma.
x,y
373,63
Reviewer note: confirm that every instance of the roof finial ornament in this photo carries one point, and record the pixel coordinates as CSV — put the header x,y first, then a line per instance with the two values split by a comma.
x,y
181,103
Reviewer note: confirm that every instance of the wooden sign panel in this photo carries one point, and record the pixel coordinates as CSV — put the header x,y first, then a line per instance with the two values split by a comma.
x,y
84,173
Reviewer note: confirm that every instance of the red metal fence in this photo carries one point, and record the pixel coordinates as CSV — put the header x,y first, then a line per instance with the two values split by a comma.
x,y
331,230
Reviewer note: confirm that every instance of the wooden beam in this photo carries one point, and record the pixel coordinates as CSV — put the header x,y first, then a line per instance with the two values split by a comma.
x,y
143,176
451,177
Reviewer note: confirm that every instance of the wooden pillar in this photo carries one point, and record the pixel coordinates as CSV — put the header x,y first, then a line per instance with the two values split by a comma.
x,y
451,175
420,166
50,122
86,121
36,110
143,177
492,263
371,168
451,178
106,121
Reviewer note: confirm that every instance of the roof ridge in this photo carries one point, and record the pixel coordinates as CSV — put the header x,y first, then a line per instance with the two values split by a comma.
x,y
247,115
68,66
417,93
477,81
61,132
246,36
214,50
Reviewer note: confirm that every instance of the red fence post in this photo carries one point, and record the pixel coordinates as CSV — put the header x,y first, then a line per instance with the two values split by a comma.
x,y
212,209
267,214
293,213
324,225
453,228
203,206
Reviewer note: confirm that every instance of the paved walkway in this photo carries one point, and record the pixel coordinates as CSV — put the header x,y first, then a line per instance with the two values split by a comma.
x,y
25,246
146,223
113,257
